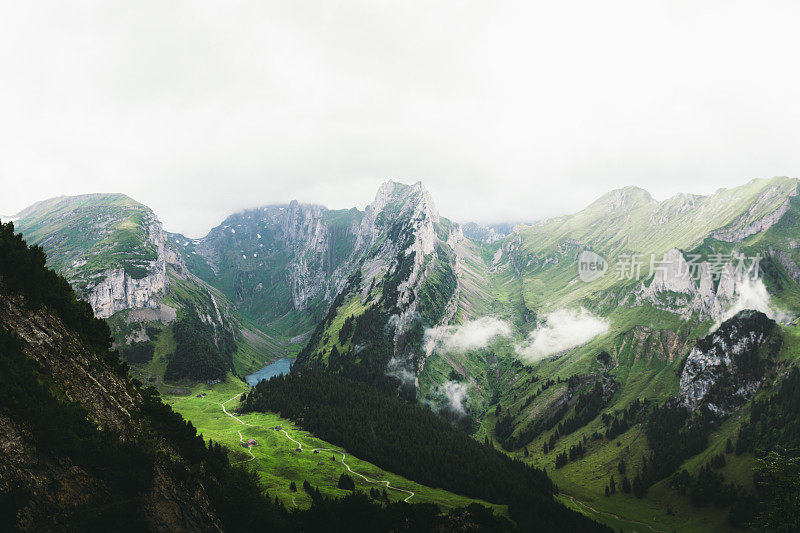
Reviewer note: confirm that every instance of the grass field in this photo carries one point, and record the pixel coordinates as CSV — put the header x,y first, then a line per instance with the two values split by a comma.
x,y
277,460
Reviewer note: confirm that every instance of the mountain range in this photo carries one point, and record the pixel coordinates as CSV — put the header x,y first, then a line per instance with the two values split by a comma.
x,y
561,343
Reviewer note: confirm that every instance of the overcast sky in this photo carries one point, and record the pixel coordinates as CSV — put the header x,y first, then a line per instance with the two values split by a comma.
x,y
505,110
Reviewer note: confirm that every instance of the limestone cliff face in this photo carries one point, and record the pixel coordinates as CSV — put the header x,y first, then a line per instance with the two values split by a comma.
x,y
293,238
117,256
417,217
407,264
299,257
296,254
685,289
725,369
754,220
112,249
116,289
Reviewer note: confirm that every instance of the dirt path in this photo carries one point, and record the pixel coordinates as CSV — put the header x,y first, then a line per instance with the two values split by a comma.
x,y
252,457
618,517
333,450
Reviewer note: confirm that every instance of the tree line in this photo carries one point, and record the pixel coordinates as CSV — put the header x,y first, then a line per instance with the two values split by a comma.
x,y
62,430
202,351
410,440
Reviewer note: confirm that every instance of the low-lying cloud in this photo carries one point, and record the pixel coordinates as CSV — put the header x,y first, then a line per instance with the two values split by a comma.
x,y
752,294
561,330
470,335
399,371
456,394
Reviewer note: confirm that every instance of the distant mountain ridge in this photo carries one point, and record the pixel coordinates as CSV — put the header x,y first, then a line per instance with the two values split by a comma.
x,y
282,266
479,328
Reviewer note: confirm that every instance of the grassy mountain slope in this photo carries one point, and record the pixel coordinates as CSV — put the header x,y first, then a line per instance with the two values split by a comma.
x,y
534,272
87,448
115,254
629,221
86,235
277,460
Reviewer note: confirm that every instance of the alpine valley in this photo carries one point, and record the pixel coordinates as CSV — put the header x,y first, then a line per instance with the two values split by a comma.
x,y
633,366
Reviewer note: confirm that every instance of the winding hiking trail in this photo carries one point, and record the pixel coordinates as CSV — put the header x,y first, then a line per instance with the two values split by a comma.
x,y
252,457
613,515
300,448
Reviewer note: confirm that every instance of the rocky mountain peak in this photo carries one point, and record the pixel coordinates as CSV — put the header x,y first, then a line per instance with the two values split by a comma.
x,y
725,368
404,198
705,288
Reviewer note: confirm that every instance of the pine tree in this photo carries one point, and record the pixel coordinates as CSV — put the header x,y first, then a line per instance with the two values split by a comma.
x,y
334,360
639,488
346,482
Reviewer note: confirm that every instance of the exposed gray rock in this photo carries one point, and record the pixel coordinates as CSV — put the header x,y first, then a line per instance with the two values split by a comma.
x,y
750,222
686,289
725,369
786,262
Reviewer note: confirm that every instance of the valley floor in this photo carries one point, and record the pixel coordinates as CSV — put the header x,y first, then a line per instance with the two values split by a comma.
x,y
276,457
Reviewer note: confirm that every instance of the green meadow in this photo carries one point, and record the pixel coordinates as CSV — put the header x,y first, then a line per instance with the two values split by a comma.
x,y
276,459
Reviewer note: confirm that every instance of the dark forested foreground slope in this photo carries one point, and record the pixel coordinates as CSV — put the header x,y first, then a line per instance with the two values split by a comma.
x,y
83,447
412,441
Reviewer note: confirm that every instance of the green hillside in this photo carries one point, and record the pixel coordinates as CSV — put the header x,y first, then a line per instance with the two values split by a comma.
x,y
277,460
629,221
502,339
86,235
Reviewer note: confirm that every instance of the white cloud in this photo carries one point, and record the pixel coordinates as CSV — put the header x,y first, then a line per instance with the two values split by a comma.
x,y
561,330
470,335
506,110
405,376
752,294
456,394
